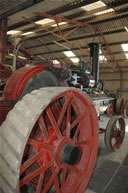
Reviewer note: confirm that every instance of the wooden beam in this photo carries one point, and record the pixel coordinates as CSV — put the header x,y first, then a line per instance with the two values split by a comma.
x,y
79,37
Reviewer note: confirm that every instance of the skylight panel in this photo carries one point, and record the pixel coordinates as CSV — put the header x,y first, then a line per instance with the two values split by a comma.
x,y
11,32
56,62
126,56
61,23
125,47
104,12
126,28
75,60
27,33
71,56
100,51
93,6
21,57
44,21
102,58
69,53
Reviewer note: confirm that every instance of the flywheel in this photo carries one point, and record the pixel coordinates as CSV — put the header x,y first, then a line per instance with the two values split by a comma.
x,y
49,143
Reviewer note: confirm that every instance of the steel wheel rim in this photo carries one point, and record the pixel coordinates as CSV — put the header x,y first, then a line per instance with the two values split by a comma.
x,y
117,133
81,171
120,106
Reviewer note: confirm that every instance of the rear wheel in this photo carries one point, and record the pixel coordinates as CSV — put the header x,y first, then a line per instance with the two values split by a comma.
x,y
51,141
120,106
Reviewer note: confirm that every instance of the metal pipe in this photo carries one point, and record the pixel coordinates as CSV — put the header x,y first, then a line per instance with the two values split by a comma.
x,y
94,55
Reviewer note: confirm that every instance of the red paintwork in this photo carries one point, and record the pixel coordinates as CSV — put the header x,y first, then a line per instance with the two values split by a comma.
x,y
18,80
14,87
60,65
5,107
5,72
56,126
110,110
117,133
122,105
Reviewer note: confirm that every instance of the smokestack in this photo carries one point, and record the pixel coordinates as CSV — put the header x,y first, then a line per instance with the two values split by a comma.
x,y
94,55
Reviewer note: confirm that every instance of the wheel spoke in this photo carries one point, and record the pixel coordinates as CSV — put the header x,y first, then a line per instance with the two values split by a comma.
x,y
76,133
53,122
80,117
68,129
118,139
115,133
43,128
52,136
64,175
56,182
120,126
34,174
117,142
40,183
29,162
39,144
63,110
82,142
115,126
51,180
74,169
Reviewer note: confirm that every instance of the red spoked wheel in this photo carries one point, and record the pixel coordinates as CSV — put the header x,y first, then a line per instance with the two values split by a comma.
x,y
110,110
58,146
115,132
120,106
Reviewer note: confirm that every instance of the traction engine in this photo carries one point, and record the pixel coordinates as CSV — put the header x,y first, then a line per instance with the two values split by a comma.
x,y
104,104
49,131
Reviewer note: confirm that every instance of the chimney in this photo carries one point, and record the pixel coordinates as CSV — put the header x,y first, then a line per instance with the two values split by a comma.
x,y
94,55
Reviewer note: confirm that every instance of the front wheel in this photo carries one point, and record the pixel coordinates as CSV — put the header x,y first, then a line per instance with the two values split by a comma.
x,y
51,142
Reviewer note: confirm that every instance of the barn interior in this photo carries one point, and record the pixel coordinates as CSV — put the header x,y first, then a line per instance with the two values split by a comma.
x,y
60,34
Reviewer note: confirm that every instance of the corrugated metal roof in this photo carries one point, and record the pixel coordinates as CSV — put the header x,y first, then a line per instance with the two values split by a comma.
x,y
111,24
6,5
44,6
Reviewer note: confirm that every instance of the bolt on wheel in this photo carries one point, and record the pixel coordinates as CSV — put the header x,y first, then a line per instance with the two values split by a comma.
x,y
115,132
60,149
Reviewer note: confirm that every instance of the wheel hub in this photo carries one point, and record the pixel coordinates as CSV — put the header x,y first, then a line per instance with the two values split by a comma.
x,y
120,134
70,154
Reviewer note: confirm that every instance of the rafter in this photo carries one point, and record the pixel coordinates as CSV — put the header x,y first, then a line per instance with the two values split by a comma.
x,y
79,37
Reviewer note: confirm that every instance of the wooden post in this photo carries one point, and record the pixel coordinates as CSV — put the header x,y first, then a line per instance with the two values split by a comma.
x,y
3,35
121,84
